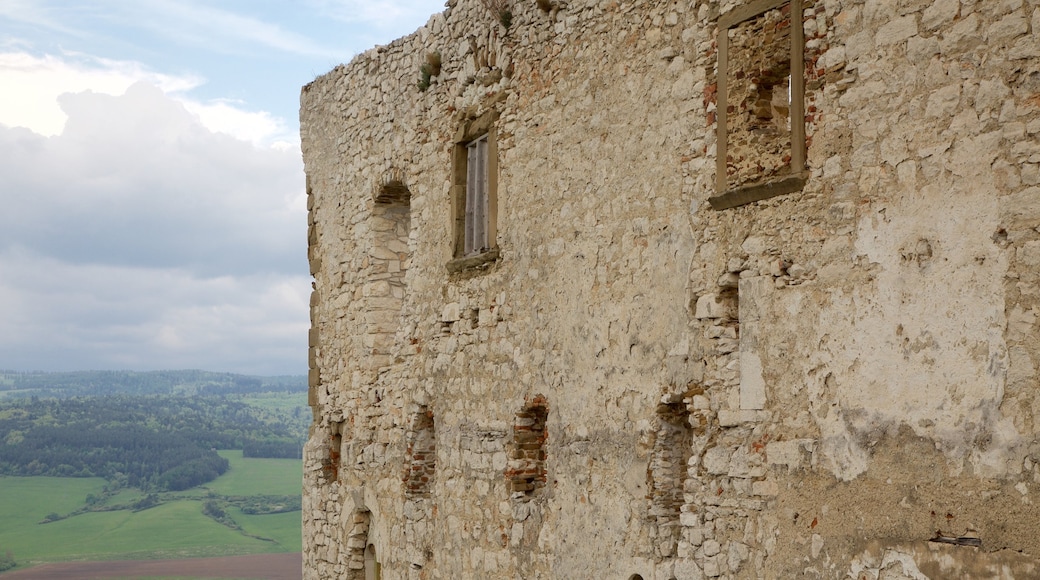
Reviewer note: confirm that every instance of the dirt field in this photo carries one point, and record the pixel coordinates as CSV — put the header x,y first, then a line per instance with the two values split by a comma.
x,y
266,566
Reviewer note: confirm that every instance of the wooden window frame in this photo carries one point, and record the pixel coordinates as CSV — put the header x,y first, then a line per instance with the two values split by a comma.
x,y
475,195
795,181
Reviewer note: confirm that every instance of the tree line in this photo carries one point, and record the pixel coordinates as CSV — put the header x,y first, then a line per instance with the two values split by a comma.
x,y
181,382
158,442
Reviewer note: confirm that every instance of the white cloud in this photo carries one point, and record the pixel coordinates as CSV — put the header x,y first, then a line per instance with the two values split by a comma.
x,y
137,179
140,238
41,80
258,127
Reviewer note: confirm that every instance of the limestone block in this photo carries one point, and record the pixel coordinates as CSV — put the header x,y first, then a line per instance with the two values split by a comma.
x,y
382,253
817,545
738,554
859,45
1029,254
485,317
920,49
961,36
1025,47
1031,174
1021,324
1021,369
1021,210
939,13
1008,27
943,102
688,569
990,95
896,31
713,566
451,312
716,460
712,306
731,418
711,547
833,59
744,465
754,296
729,280
689,519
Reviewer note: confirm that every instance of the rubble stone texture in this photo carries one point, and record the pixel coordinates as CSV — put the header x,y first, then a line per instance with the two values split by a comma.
x,y
631,382
759,110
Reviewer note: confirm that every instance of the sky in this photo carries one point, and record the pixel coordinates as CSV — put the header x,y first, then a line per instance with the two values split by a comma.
x,y
152,202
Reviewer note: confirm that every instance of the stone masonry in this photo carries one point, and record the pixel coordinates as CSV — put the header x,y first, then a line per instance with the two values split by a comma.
x,y
836,378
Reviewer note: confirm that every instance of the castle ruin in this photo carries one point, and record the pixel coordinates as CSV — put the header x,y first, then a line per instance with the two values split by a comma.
x,y
635,290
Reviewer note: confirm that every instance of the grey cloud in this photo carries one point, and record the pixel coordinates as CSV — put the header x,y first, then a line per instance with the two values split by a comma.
x,y
64,316
139,239
137,180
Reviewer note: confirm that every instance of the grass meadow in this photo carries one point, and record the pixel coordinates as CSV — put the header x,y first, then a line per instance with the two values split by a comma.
x,y
258,476
174,529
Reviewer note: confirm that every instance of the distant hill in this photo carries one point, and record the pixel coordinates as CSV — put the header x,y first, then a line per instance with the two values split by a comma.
x,y
152,430
184,382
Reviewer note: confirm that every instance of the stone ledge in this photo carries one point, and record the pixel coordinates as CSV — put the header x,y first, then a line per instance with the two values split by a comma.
x,y
476,262
733,418
757,192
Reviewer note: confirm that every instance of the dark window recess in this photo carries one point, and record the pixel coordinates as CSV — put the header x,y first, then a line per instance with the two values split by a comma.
x,y
330,465
526,469
672,449
422,455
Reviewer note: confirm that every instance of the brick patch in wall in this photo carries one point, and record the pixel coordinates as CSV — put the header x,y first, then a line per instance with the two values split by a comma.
x,y
526,469
421,455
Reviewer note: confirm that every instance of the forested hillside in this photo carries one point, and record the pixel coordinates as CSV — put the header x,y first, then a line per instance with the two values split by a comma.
x,y
189,382
154,431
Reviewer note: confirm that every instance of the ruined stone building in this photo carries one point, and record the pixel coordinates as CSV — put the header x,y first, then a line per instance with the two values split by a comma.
x,y
625,289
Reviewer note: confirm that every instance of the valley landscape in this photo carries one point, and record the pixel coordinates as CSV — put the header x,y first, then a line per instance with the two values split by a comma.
x,y
117,507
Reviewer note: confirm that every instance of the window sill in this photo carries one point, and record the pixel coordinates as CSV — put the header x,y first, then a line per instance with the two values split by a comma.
x,y
757,192
475,262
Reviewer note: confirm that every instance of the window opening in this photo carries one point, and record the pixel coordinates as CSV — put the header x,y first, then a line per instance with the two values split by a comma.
x,y
474,192
393,190
526,470
422,455
389,257
672,450
761,94
330,465
358,547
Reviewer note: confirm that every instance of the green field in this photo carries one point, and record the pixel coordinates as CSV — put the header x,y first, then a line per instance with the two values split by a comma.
x,y
175,529
252,476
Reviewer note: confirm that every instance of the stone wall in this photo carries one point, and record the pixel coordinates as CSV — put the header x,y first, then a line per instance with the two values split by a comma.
x,y
813,385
